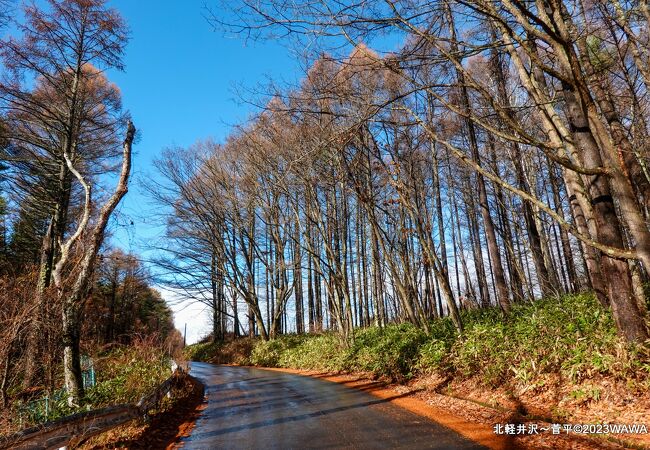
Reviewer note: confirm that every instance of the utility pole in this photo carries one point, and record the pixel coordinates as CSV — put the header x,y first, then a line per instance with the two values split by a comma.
x,y
185,335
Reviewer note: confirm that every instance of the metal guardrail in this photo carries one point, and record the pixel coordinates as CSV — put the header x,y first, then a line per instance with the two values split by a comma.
x,y
74,429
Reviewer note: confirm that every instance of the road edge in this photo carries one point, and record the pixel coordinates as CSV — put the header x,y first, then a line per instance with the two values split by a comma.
x,y
480,433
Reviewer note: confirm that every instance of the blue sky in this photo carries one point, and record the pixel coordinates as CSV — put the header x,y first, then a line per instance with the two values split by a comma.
x,y
180,85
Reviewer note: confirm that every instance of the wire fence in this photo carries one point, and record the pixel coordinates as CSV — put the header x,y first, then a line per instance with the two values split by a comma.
x,y
53,404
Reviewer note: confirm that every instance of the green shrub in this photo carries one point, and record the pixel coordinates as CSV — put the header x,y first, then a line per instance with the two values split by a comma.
x,y
391,351
571,335
268,353
124,375
202,351
319,352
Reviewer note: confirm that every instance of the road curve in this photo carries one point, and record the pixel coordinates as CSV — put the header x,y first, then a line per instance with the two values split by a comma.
x,y
252,408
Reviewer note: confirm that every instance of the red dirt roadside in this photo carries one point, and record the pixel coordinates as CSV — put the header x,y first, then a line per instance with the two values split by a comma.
x,y
480,433
470,419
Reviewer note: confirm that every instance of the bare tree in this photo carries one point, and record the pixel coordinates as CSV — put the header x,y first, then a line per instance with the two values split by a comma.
x,y
559,110
73,284
72,112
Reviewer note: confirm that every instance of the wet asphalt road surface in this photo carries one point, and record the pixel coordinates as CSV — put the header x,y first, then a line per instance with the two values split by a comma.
x,y
252,408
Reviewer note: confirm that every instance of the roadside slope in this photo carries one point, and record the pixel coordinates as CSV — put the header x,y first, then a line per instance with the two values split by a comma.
x,y
557,360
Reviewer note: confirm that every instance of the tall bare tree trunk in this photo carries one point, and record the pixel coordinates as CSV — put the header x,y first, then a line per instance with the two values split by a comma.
x,y
629,319
73,297
496,264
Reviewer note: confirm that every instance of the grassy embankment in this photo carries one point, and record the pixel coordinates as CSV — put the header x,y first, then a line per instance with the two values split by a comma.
x,y
555,357
572,336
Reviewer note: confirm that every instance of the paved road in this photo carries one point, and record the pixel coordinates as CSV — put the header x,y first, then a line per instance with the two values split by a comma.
x,y
259,409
